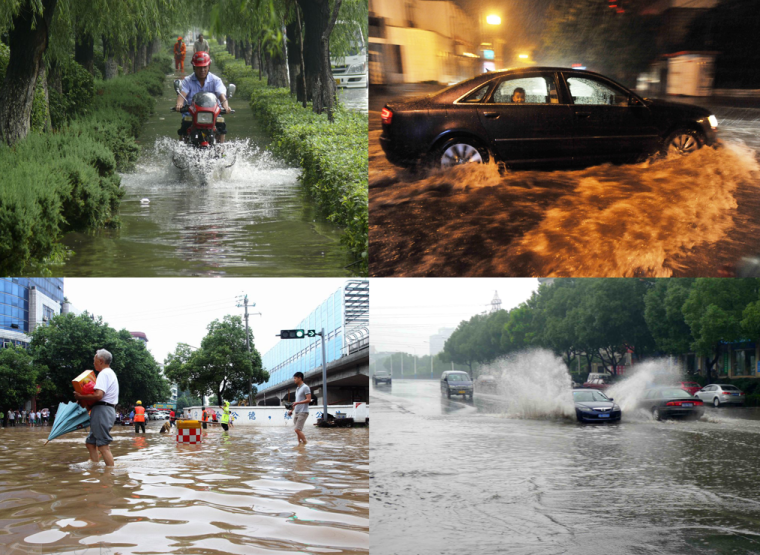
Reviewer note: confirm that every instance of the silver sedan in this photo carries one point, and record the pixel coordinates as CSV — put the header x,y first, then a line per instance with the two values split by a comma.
x,y
721,394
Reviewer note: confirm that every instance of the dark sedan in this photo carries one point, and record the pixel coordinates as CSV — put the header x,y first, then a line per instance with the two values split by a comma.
x,y
668,402
539,117
595,406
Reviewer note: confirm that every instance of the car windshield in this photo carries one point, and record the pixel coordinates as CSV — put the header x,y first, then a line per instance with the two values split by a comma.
x,y
381,373
675,393
589,396
458,378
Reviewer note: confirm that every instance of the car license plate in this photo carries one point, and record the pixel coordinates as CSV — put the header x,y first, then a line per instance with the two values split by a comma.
x,y
688,404
337,81
604,416
735,394
461,392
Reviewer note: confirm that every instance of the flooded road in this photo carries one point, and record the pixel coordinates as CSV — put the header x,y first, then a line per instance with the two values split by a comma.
x,y
251,219
249,492
695,216
452,477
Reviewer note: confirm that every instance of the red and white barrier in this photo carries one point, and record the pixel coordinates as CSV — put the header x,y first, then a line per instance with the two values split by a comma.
x,y
192,435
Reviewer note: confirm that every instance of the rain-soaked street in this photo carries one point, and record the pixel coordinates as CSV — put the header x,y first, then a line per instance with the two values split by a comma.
x,y
251,491
207,218
513,472
692,216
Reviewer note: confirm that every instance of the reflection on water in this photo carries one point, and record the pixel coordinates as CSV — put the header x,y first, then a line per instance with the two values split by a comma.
x,y
659,218
247,492
452,477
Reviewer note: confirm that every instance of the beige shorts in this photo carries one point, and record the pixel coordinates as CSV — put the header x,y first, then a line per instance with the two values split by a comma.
x,y
299,419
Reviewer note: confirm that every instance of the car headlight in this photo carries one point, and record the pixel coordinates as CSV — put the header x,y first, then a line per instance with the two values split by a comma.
x,y
586,409
615,407
356,68
713,122
205,117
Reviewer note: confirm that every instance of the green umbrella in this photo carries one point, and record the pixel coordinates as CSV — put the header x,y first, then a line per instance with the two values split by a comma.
x,y
70,417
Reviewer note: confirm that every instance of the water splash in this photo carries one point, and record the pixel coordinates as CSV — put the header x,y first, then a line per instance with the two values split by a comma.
x,y
222,162
535,385
630,389
657,218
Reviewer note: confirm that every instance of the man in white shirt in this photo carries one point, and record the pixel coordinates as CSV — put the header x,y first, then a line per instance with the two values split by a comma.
x,y
300,409
103,414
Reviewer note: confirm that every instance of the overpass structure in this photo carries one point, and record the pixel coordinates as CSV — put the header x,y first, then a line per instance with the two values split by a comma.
x,y
345,318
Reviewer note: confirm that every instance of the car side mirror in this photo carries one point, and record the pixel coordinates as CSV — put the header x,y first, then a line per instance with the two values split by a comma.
x,y
633,101
611,398
231,89
177,84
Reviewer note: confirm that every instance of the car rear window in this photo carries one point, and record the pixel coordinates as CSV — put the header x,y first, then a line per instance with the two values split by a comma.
x,y
730,388
675,393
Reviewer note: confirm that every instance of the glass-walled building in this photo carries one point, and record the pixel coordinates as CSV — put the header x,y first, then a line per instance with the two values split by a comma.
x,y
26,303
342,315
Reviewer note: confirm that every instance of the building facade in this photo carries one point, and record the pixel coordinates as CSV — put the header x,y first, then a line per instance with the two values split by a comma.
x,y
344,316
26,303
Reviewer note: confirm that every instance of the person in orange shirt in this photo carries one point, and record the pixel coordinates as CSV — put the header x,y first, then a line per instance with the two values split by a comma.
x,y
204,417
139,417
179,55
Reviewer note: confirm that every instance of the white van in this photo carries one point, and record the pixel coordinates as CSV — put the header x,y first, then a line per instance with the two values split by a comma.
x,y
350,71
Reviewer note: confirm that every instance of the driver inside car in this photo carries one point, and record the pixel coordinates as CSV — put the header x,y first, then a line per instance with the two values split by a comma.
x,y
202,80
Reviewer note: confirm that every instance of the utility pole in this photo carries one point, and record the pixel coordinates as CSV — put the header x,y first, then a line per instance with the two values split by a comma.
x,y
247,342
324,377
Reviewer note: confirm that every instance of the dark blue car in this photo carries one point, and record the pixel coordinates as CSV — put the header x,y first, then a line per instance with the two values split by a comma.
x,y
592,405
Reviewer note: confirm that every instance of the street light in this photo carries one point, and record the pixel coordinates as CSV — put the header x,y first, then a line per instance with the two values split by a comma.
x,y
493,20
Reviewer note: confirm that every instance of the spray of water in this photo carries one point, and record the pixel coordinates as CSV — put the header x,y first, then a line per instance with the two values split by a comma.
x,y
651,373
627,220
534,384
205,166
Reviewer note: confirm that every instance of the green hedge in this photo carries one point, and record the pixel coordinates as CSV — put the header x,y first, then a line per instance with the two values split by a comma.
x,y
66,180
333,156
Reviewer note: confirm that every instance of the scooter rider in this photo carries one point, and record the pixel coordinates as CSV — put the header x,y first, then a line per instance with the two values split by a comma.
x,y
202,80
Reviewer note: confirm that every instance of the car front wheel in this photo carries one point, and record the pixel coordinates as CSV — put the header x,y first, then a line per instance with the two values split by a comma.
x,y
458,151
684,142
656,414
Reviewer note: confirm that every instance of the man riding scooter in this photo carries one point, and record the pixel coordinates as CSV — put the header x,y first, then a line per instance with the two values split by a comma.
x,y
202,81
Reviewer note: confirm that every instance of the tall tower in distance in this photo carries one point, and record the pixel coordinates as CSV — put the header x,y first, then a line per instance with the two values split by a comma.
x,y
496,302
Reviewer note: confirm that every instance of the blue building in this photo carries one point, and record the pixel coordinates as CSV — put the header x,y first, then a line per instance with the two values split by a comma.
x,y
26,303
344,315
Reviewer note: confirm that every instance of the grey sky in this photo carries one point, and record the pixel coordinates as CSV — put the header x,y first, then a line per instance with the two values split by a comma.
x,y
177,310
405,312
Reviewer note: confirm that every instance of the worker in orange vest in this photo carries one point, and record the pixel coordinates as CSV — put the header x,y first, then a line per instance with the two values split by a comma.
x,y
204,417
139,417
179,54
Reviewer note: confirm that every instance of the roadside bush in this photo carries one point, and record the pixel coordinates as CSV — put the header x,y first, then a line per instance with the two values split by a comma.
x,y
77,92
56,182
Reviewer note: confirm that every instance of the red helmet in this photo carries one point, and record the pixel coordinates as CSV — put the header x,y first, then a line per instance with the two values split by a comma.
x,y
201,59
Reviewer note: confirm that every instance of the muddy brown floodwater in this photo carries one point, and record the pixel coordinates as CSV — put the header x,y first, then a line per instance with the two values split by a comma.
x,y
695,216
251,491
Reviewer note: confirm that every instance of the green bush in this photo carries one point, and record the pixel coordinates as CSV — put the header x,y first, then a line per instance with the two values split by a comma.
x,y
75,98
67,180
334,157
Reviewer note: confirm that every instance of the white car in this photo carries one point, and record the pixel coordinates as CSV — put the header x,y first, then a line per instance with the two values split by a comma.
x,y
721,394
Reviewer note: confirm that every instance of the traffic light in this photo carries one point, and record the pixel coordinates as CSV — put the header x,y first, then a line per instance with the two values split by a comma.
x,y
292,334
311,333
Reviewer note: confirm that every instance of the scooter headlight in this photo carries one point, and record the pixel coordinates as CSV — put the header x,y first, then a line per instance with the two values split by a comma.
x,y
205,117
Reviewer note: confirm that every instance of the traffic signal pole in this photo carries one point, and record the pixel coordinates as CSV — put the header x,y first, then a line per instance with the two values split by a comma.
x,y
324,377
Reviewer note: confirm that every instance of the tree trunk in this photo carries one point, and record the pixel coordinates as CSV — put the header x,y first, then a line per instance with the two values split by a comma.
x,y
301,96
293,45
319,80
84,51
261,61
238,50
230,45
248,52
42,82
111,67
28,40
278,77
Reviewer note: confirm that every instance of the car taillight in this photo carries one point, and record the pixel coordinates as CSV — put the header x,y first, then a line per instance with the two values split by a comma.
x,y
726,393
673,404
386,116
698,403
